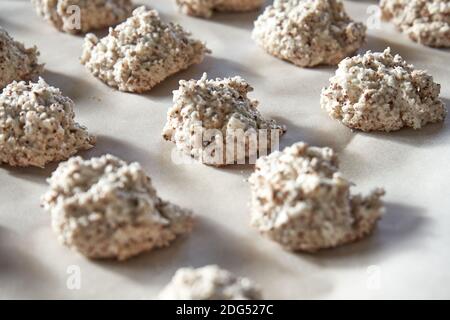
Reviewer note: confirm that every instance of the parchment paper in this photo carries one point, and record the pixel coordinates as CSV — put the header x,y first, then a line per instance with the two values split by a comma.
x,y
407,257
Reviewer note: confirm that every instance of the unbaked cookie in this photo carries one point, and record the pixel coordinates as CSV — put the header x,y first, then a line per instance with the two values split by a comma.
x,y
424,21
209,283
141,52
16,61
81,16
205,8
37,125
380,91
107,208
300,200
308,32
215,122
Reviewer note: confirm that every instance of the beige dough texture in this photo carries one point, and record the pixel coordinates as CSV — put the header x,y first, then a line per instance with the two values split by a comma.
x,y
300,200
424,21
16,61
205,8
209,283
81,16
107,208
141,52
308,32
37,125
380,91
207,116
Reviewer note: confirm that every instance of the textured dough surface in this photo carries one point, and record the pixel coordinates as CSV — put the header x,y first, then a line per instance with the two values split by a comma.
x,y
424,21
17,62
209,283
93,14
141,52
107,208
204,108
300,200
205,8
308,32
37,125
381,91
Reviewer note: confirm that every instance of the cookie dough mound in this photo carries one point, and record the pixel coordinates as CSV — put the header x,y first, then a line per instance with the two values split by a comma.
x,y
424,21
205,8
209,283
37,125
92,14
214,122
106,208
308,32
379,91
141,52
300,200
16,61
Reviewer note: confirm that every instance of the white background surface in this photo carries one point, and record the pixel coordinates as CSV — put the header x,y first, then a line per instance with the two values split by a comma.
x,y
410,247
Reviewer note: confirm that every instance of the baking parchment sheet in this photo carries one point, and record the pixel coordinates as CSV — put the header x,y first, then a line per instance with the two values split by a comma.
x,y
407,257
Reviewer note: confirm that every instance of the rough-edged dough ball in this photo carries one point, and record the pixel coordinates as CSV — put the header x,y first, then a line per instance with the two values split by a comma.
x,y
16,61
209,283
81,16
37,125
106,208
141,52
208,115
205,8
300,200
379,91
308,32
424,21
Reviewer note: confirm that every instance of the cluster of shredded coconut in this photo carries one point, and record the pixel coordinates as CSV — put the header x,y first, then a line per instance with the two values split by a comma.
x,y
300,200
205,8
106,208
141,52
215,122
209,283
37,125
81,16
380,91
308,32
16,61
424,21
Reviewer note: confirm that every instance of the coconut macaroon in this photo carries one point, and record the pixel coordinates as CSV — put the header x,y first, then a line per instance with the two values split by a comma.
x,y
205,8
209,283
214,122
37,125
16,61
380,91
107,208
81,16
308,32
424,21
141,52
300,200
